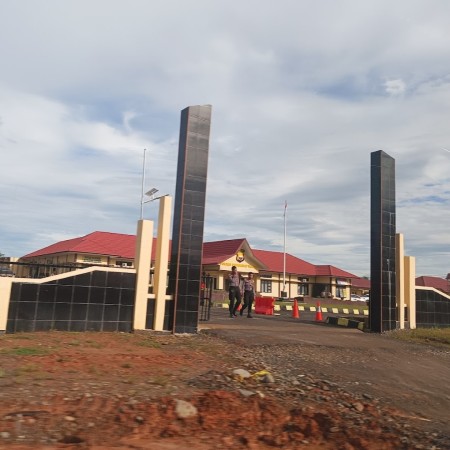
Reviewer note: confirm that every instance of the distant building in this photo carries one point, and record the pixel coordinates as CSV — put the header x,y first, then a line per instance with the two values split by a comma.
x,y
360,286
297,277
442,284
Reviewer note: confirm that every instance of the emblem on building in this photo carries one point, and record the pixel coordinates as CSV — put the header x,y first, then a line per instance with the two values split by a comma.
x,y
240,255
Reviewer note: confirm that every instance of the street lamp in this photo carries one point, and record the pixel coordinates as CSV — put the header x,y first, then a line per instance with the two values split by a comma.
x,y
151,193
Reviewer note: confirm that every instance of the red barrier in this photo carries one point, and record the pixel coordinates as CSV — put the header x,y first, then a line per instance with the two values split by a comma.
x,y
264,305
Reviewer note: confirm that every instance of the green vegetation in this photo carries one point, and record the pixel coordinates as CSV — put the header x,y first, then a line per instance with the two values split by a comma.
x,y
148,343
25,351
435,336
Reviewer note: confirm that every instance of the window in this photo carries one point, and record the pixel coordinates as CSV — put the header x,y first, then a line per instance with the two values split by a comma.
x,y
266,286
124,263
302,289
340,292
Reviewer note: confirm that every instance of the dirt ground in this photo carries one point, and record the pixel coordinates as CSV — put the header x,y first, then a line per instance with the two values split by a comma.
x,y
262,383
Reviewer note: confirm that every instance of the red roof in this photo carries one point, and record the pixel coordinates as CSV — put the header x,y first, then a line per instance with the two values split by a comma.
x,y
435,282
275,263
123,246
331,271
362,283
218,251
98,243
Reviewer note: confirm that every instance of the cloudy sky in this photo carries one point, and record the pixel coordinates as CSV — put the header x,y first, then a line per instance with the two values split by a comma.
x,y
302,92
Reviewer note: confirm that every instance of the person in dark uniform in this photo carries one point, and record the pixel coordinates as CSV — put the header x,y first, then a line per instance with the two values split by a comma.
x,y
249,295
234,291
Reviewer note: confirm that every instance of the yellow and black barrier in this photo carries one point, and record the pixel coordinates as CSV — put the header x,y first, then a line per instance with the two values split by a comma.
x,y
344,322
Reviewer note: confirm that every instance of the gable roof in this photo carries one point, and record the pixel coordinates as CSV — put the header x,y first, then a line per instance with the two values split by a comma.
x,y
98,243
218,251
362,283
438,283
123,246
275,263
332,271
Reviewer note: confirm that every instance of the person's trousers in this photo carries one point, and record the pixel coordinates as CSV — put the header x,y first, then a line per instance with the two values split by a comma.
x,y
249,297
234,295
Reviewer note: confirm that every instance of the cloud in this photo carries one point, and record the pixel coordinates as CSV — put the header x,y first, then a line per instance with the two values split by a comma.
x,y
302,93
395,87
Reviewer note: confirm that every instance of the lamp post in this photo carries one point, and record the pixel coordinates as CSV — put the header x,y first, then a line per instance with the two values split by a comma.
x,y
151,193
142,186
284,252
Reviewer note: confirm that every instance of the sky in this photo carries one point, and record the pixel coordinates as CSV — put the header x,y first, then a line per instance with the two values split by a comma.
x,y
302,92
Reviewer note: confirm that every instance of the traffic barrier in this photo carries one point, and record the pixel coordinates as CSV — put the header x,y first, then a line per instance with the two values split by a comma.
x,y
318,313
344,322
295,313
264,305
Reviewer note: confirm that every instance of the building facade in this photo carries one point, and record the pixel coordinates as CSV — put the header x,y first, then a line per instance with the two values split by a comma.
x,y
301,278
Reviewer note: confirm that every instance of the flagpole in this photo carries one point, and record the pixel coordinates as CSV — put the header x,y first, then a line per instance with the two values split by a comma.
x,y
284,251
142,186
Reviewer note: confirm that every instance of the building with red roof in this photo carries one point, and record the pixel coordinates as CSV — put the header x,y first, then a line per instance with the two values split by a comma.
x,y
275,272
441,284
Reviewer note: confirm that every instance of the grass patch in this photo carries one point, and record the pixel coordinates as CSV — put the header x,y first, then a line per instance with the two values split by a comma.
x,y
23,373
434,336
27,368
149,343
21,336
94,370
94,344
159,380
25,351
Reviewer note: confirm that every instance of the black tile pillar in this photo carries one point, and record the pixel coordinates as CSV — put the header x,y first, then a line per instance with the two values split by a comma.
x,y
382,307
188,217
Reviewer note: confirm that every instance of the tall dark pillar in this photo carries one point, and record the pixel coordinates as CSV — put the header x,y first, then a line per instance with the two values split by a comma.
x,y
188,217
382,307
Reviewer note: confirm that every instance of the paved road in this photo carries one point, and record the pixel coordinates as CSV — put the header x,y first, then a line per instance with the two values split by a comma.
x,y
408,376
284,328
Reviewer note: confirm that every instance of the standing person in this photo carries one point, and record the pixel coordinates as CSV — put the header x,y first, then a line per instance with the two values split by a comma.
x,y
249,295
234,291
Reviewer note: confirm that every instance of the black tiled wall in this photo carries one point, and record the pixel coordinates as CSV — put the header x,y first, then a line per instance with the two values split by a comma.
x,y
168,315
188,221
432,309
97,301
382,308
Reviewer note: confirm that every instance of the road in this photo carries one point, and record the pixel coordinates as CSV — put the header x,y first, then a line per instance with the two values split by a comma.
x,y
409,376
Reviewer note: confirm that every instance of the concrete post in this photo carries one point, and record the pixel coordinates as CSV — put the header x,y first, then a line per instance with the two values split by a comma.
x,y
5,295
142,262
410,289
162,261
400,279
